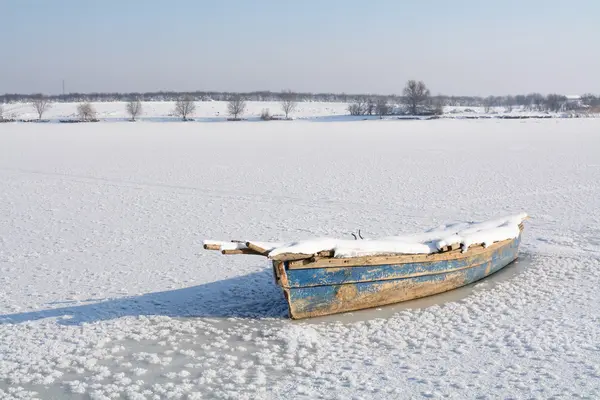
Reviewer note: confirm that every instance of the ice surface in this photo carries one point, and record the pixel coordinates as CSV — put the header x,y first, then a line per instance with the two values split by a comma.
x,y
105,287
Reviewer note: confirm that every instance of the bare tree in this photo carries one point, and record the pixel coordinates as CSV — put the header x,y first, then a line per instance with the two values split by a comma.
x,y
520,100
488,102
437,105
370,107
86,112
134,108
382,108
184,107
358,107
41,104
265,115
590,100
236,106
555,102
415,94
537,101
288,102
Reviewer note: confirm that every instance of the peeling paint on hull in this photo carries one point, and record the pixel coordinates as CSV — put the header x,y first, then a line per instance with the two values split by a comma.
x,y
323,291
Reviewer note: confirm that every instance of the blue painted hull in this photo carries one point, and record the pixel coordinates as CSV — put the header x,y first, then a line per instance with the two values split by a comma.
x,y
314,292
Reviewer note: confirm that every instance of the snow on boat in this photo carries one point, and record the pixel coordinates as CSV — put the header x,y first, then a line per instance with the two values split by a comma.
x,y
326,276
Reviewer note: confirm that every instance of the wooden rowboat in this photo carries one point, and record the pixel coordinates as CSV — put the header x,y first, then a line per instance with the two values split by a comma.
x,y
319,284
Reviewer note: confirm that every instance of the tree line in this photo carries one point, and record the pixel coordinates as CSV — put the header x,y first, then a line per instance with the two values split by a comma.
x,y
184,108
416,99
533,100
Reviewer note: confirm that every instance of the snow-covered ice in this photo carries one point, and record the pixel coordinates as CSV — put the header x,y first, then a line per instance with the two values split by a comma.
x,y
106,291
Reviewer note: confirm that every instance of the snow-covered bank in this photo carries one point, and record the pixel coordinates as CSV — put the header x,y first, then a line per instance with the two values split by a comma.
x,y
164,110
105,287
216,111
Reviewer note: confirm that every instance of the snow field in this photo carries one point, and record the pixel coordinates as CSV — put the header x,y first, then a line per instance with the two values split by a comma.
x,y
106,290
161,110
216,111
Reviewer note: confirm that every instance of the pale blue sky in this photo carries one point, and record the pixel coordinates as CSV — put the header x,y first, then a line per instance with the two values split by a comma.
x,y
470,47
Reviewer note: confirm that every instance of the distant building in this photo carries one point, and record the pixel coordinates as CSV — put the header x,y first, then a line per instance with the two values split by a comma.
x,y
572,102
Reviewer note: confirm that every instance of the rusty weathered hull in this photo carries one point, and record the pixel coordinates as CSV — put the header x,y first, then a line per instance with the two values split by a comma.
x,y
315,292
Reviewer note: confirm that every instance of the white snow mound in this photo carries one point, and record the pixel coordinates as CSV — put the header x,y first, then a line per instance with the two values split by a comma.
x,y
432,241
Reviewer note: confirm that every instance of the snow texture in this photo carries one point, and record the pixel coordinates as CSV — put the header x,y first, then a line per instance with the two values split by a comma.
x,y
106,291
486,233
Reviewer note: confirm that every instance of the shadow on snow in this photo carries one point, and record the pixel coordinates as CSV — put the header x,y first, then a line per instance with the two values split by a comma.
x,y
249,296
254,295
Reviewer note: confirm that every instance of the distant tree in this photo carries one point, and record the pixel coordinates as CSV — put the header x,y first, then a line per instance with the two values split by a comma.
x,y
510,100
442,100
41,104
86,112
265,115
382,107
288,102
184,107
358,107
371,106
539,102
236,106
1,111
554,102
521,100
536,101
438,105
488,103
590,100
134,108
415,93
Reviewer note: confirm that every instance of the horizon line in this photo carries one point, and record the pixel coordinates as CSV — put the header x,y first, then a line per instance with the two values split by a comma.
x,y
255,92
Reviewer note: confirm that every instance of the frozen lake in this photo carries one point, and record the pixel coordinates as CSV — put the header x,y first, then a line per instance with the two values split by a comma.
x,y
106,292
